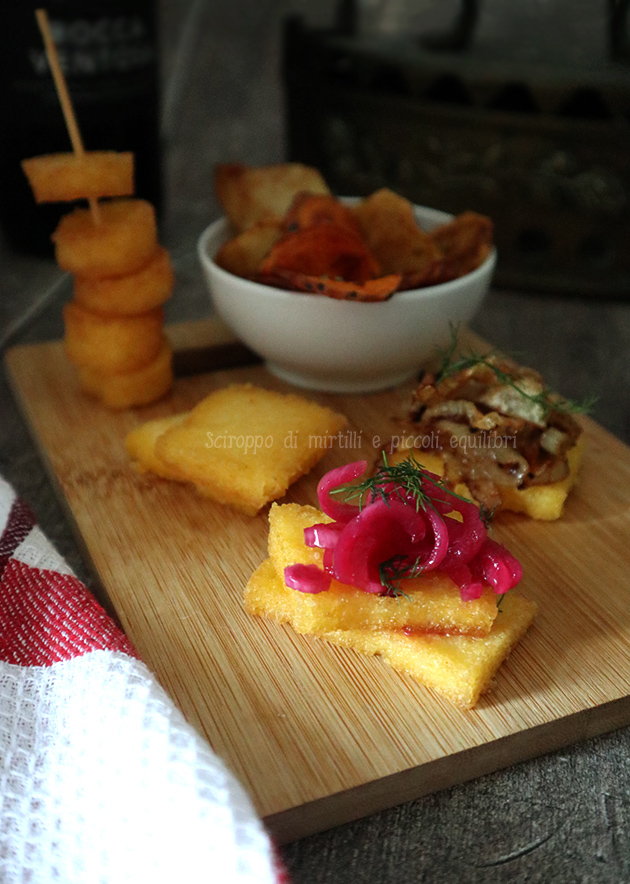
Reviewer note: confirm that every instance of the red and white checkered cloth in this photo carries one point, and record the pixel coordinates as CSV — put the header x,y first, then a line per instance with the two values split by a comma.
x,y
101,778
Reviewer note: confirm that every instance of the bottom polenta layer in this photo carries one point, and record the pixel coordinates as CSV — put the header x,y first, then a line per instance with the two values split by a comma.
x,y
543,502
459,667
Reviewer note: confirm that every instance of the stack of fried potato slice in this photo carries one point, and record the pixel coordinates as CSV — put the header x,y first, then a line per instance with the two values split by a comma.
x,y
114,326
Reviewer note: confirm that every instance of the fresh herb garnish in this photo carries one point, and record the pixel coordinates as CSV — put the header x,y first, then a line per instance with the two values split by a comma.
x,y
392,571
408,478
545,399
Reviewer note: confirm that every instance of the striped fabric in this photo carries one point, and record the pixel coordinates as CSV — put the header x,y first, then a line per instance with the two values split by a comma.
x,y
101,778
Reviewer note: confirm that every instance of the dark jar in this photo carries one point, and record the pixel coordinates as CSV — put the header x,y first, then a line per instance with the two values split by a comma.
x,y
108,52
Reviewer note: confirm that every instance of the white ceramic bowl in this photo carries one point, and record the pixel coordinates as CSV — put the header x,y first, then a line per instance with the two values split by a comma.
x,y
339,346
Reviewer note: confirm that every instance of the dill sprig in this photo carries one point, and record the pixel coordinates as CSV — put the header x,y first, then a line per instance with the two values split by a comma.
x,y
393,570
405,480
409,478
545,399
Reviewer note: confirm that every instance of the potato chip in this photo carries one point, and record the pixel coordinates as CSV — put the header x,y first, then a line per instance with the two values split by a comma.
x,y
361,251
251,195
431,275
465,243
388,224
378,289
243,254
308,209
323,250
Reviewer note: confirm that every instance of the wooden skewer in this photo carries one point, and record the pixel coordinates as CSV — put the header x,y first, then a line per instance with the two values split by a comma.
x,y
64,98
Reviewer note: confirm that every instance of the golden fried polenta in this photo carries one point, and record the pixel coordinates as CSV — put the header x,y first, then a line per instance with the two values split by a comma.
x,y
122,242
130,388
458,667
110,343
244,446
65,177
545,502
128,295
430,603
140,446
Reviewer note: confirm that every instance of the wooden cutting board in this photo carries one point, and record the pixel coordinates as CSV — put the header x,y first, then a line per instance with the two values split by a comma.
x,y
320,735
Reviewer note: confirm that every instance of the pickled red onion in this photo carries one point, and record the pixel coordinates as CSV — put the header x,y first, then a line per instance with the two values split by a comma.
x,y
402,532
341,512
470,588
324,535
306,578
466,537
498,567
381,530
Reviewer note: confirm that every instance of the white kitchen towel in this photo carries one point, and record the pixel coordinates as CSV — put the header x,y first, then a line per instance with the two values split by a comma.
x,y
101,778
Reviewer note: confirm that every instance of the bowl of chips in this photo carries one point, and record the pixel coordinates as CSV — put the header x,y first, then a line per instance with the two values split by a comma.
x,y
346,295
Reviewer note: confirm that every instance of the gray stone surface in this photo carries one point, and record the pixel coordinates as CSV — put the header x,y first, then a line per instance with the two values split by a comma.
x,y
560,818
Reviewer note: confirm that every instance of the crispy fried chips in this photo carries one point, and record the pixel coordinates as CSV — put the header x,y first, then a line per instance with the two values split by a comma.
x,y
293,234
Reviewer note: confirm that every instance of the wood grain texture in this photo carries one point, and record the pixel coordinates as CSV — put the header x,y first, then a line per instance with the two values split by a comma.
x,y
317,734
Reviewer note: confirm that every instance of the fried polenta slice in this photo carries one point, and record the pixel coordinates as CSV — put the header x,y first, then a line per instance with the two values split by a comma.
x,y
494,425
128,295
545,502
389,227
127,389
140,445
430,603
244,446
65,177
124,240
243,254
110,343
541,502
460,668
250,195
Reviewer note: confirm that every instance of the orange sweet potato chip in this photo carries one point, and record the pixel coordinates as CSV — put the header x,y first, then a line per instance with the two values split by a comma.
x,y
323,250
378,289
309,209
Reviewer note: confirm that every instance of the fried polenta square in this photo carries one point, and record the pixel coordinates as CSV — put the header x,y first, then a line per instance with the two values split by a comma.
x,y
460,668
140,446
430,603
244,446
